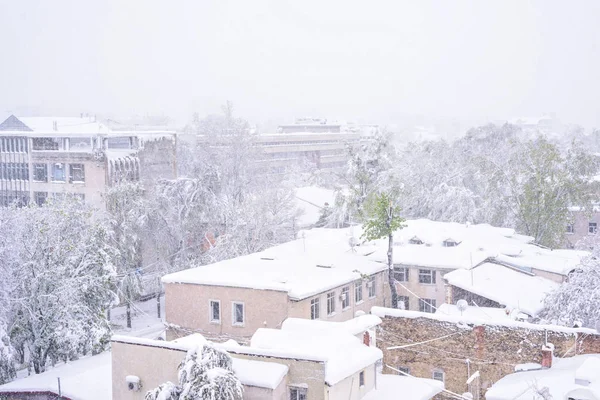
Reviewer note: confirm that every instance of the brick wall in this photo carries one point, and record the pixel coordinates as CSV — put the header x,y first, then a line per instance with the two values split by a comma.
x,y
492,350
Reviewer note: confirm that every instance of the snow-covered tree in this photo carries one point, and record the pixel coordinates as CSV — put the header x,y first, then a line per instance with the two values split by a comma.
x,y
205,374
61,279
577,299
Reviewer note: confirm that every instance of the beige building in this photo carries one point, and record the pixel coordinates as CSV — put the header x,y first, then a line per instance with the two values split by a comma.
x,y
41,158
582,230
315,277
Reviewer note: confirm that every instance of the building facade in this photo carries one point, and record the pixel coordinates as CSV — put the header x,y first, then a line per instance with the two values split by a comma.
x,y
43,158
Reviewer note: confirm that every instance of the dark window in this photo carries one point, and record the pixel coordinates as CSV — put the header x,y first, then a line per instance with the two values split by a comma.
x,y
592,228
315,308
358,293
361,378
238,313
345,297
570,228
371,287
427,276
46,144
427,305
58,172
298,393
438,375
215,311
330,303
401,274
40,172
403,370
76,173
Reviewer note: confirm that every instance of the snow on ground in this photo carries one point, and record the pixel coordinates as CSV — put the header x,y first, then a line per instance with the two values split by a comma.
x,y
88,378
560,381
144,321
481,313
510,288
311,200
393,387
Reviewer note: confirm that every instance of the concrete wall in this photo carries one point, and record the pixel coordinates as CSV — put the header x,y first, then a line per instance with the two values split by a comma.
x,y
558,278
308,374
153,365
492,350
188,306
349,388
426,291
258,393
301,309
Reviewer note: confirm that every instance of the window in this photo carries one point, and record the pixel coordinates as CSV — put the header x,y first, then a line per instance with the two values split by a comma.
x,y
238,313
592,228
315,308
215,311
345,298
570,228
297,393
76,173
330,303
119,143
371,287
40,197
403,303
427,305
401,274
58,172
438,375
40,172
358,295
80,144
403,370
427,276
361,378
46,143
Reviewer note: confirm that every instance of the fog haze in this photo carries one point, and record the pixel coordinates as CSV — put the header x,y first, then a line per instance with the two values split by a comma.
x,y
368,61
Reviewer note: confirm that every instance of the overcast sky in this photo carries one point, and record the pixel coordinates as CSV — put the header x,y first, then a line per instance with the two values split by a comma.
x,y
366,60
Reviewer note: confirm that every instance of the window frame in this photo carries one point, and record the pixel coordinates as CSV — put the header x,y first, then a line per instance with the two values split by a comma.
x,y
331,303
38,195
592,231
570,229
64,169
233,310
211,314
315,308
71,167
431,273
358,292
36,167
346,299
361,379
401,271
427,304
438,371
301,393
373,288
406,370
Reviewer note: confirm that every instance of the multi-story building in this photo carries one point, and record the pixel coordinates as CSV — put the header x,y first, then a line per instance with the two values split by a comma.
x,y
50,157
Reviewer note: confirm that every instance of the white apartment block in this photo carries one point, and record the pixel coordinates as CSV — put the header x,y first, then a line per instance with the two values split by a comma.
x,y
43,157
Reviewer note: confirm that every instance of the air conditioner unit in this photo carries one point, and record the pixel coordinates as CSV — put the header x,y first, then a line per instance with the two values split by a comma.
x,y
133,383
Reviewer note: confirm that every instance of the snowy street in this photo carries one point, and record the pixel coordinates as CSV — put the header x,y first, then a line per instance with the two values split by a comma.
x,y
144,320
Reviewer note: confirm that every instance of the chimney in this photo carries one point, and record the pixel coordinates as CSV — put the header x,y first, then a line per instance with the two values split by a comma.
x,y
479,341
367,339
547,352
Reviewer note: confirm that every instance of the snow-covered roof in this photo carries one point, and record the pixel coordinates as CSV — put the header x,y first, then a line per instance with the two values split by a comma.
x,y
352,326
383,312
559,262
559,380
321,260
389,387
88,378
504,285
342,353
311,200
480,313
250,373
64,125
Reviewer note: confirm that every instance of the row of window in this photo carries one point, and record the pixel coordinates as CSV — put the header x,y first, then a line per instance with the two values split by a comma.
x,y
14,171
8,198
238,314
425,305
58,172
344,298
13,145
437,374
426,276
592,228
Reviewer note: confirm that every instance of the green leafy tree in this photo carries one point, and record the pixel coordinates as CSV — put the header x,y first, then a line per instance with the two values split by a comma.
x,y
383,219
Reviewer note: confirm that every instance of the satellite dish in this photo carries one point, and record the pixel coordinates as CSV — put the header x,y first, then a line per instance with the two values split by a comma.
x,y
462,305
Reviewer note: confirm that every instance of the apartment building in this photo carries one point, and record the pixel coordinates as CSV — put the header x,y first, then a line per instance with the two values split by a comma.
x,y
315,277
44,157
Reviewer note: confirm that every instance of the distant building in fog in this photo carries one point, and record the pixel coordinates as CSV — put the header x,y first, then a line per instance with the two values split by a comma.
x,y
43,157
